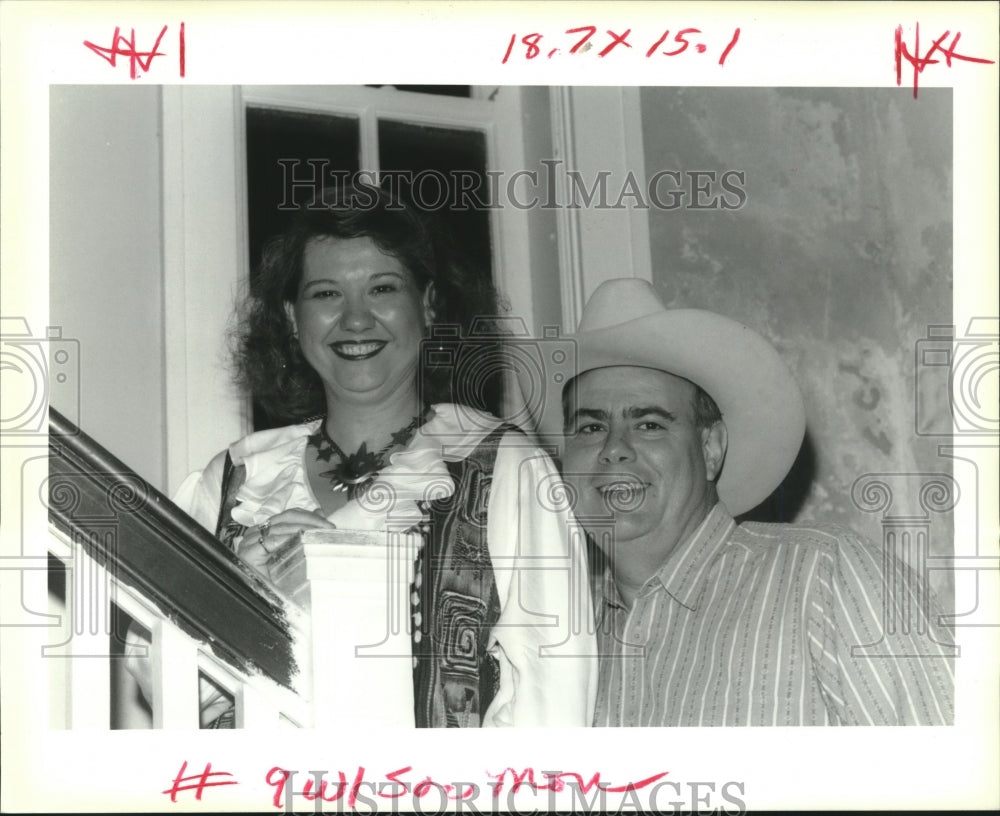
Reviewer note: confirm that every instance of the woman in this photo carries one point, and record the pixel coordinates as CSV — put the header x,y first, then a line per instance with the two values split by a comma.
x,y
332,344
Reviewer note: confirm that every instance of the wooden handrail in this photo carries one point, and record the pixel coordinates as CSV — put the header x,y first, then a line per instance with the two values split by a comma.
x,y
152,546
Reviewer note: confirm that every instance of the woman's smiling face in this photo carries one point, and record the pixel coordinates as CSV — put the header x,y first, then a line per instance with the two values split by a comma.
x,y
360,318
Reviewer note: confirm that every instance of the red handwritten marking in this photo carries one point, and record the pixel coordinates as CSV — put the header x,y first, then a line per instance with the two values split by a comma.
x,y
138,60
557,781
920,63
595,781
278,779
510,47
591,31
321,793
533,48
198,786
467,795
732,42
394,778
532,40
615,41
111,54
679,37
352,797
423,787
657,44
279,784
318,788
519,779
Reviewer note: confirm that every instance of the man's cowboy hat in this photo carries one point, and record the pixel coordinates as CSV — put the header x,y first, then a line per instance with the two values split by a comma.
x,y
625,324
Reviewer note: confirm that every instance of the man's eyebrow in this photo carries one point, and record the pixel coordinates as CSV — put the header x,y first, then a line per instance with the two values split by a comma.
x,y
586,413
639,411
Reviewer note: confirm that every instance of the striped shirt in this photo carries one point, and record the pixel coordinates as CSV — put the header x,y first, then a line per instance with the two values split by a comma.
x,y
773,624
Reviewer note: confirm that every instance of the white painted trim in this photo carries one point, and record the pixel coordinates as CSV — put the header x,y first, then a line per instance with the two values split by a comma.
x,y
88,592
204,266
254,710
635,160
362,579
175,678
568,220
512,271
174,289
385,103
368,145
597,244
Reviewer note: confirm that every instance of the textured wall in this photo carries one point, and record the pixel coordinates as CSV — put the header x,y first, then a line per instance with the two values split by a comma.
x,y
841,255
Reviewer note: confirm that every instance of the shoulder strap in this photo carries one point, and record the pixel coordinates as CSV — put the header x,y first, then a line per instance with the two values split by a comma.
x,y
226,530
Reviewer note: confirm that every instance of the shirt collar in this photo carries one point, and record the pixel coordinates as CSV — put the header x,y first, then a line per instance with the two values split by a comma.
x,y
607,589
684,572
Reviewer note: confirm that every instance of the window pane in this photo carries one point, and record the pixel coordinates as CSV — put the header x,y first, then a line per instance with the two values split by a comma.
x,y
447,168
331,143
445,174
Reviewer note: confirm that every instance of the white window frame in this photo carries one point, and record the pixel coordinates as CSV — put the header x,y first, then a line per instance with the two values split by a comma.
x,y
596,245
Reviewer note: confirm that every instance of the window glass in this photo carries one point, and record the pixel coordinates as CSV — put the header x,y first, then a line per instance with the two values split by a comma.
x,y
280,146
444,171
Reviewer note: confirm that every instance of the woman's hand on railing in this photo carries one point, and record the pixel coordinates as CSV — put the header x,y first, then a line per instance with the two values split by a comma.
x,y
267,544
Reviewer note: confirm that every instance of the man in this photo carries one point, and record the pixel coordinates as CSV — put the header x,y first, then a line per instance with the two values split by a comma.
x,y
678,421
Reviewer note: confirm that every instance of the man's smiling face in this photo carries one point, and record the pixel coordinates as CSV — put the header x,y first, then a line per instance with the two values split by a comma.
x,y
634,454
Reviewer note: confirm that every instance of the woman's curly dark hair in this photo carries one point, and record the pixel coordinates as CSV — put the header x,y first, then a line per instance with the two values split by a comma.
x,y
266,351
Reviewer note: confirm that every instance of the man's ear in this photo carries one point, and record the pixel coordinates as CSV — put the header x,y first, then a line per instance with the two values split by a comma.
x,y
714,442
290,314
429,313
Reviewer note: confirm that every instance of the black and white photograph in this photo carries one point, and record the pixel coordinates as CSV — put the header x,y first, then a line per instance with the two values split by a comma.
x,y
638,420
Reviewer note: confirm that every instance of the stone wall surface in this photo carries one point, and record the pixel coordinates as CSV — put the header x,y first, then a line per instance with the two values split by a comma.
x,y
841,256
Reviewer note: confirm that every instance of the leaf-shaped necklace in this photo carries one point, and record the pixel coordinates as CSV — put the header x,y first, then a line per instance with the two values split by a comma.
x,y
355,472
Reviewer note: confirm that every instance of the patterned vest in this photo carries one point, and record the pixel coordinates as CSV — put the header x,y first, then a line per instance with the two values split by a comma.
x,y
454,600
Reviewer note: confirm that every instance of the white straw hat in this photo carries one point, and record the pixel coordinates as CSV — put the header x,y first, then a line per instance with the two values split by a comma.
x,y
624,323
